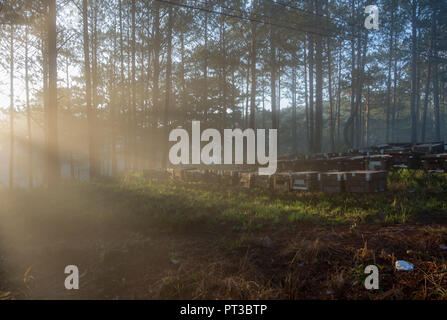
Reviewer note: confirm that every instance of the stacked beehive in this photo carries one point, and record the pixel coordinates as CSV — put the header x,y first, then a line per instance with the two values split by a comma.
x,y
379,162
176,173
231,177
304,181
332,182
426,148
281,181
212,176
254,180
435,162
365,181
246,179
194,175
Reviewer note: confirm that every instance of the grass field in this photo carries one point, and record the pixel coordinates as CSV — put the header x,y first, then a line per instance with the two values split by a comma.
x,y
138,238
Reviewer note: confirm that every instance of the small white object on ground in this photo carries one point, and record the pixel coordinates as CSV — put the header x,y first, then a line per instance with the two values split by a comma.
x,y
443,247
402,265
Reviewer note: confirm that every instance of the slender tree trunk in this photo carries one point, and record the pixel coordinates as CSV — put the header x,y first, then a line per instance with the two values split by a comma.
x,y
293,126
311,95
94,76
263,104
156,78
28,111
123,79
114,109
395,97
368,110
390,65
413,73
273,78
11,108
53,166
247,94
306,97
253,77
427,83
331,102
133,112
168,87
205,68
436,80
69,104
339,97
318,87
88,96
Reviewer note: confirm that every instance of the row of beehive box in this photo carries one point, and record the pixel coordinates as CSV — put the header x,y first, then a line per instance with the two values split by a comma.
x,y
364,181
329,182
394,160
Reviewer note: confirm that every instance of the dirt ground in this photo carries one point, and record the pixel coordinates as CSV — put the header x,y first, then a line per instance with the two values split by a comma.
x,y
310,262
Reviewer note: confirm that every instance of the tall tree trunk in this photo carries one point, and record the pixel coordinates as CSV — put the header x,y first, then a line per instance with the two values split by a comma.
x,y
390,65
247,94
253,77
156,78
361,77
123,79
114,105
395,97
306,97
133,111
94,76
168,87
348,131
273,77
368,110
427,83
263,104
331,102
436,79
205,68
311,95
11,108
413,73
293,126
182,74
339,96
53,166
88,94
28,111
69,104
318,87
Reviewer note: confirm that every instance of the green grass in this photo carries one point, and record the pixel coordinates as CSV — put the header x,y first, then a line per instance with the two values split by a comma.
x,y
182,206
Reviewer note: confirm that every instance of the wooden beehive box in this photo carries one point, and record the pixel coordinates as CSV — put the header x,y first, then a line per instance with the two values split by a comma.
x,y
285,165
254,180
435,162
332,182
176,173
212,176
304,181
246,179
366,181
230,177
323,164
301,165
194,175
429,148
281,181
355,163
379,162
